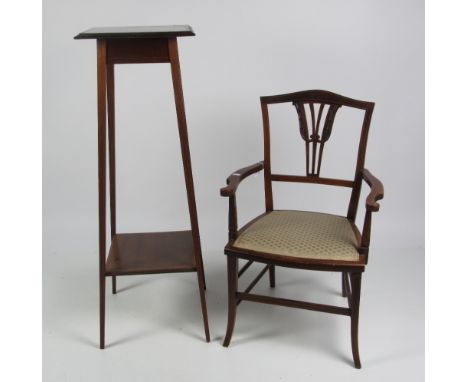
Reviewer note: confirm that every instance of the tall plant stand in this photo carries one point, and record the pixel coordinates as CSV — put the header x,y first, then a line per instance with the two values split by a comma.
x,y
141,253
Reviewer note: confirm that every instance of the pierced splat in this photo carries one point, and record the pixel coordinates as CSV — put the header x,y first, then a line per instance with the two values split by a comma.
x,y
314,140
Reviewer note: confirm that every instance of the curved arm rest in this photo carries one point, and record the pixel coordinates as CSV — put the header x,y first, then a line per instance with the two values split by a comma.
x,y
235,178
376,192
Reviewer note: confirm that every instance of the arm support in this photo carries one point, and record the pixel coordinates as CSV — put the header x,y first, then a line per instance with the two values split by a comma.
x,y
230,190
376,192
235,178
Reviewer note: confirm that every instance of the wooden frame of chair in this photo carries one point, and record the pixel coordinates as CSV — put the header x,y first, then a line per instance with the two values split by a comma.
x,y
351,271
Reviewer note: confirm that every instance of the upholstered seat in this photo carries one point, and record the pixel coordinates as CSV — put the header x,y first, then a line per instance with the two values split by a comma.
x,y
309,235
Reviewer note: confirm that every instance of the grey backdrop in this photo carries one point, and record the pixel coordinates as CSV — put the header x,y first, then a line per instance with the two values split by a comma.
x,y
370,50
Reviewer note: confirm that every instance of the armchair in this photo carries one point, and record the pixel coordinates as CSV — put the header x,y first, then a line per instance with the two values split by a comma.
x,y
302,239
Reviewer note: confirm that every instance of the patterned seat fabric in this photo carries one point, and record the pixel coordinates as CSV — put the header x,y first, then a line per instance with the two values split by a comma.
x,y
309,235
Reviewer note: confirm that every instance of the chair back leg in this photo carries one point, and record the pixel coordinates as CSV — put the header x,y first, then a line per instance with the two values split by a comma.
x,y
343,284
114,284
355,299
272,276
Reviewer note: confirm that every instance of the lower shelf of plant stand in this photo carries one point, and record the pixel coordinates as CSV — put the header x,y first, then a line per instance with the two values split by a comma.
x,y
154,252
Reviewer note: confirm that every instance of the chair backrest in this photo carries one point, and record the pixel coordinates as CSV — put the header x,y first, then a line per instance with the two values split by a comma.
x,y
322,106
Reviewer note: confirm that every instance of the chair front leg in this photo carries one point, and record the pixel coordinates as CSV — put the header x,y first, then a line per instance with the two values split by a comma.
x,y
355,300
232,268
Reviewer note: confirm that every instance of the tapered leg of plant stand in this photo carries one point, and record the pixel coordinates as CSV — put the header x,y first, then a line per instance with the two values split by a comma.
x,y
111,136
184,145
201,289
102,311
203,273
201,266
355,299
101,97
272,276
232,265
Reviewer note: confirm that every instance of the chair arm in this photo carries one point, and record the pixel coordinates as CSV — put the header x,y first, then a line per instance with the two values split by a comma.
x,y
235,178
376,192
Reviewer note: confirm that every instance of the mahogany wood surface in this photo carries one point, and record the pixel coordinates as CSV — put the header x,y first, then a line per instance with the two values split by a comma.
x,y
232,271
322,96
235,178
244,268
158,31
255,281
101,97
311,179
111,138
294,303
187,164
146,253
296,262
376,192
138,51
